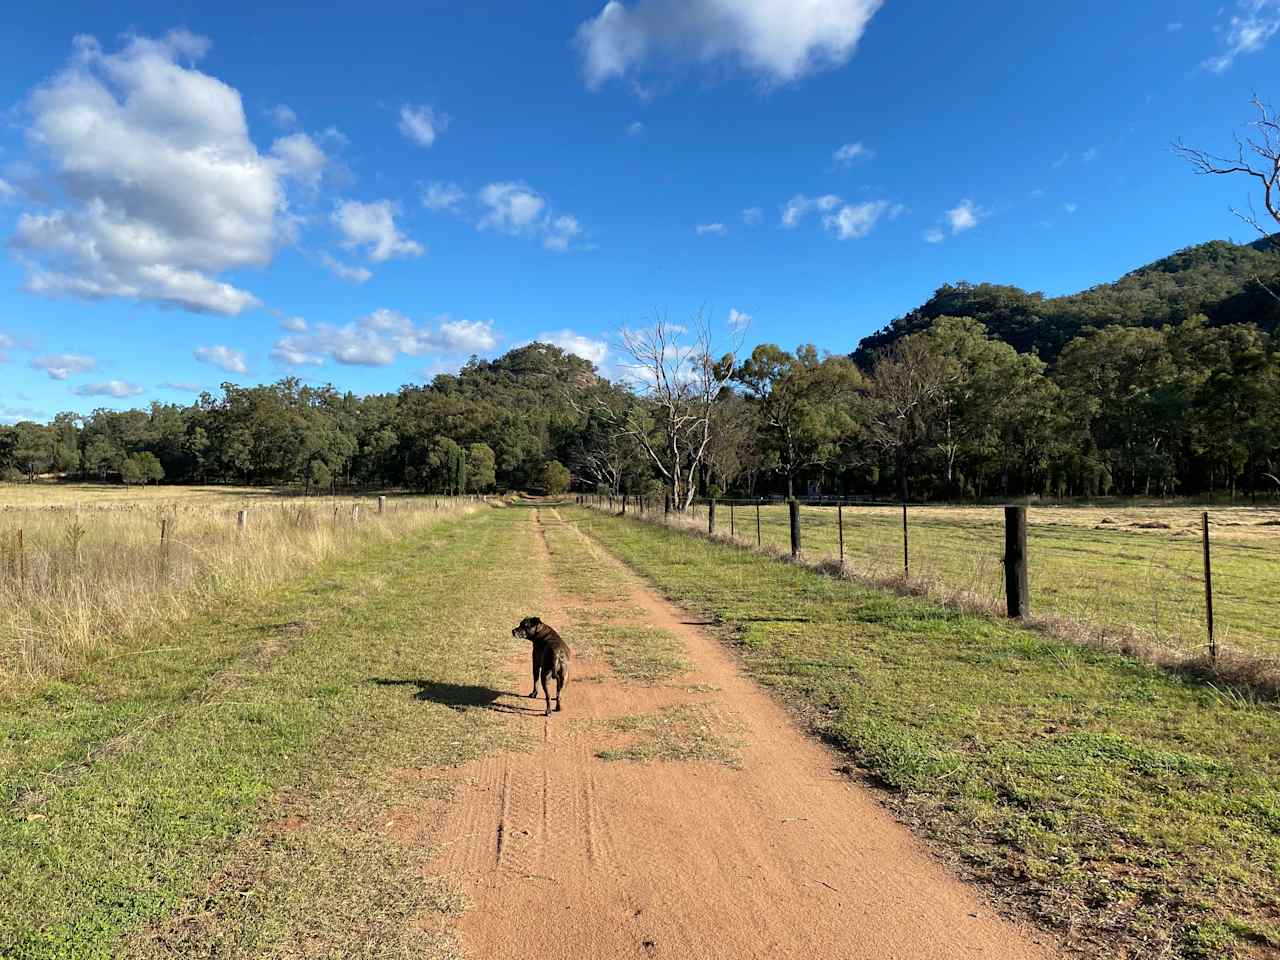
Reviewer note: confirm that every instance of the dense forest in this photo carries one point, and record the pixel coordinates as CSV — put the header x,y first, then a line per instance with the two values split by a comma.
x,y
1165,382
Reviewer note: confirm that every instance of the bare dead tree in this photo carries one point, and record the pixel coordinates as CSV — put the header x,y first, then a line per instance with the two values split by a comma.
x,y
1257,155
674,373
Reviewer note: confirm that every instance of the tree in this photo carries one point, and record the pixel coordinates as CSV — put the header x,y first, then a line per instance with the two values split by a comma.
x,y
481,468
678,383
805,405
33,448
555,478
906,385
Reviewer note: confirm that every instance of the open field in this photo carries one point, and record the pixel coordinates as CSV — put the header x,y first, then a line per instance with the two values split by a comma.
x,y
1119,571
1134,809
88,571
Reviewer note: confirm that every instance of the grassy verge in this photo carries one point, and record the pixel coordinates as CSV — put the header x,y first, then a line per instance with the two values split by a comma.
x,y
233,794
681,733
1134,810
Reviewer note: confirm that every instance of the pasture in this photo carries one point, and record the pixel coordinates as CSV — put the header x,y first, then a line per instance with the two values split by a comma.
x,y
1119,571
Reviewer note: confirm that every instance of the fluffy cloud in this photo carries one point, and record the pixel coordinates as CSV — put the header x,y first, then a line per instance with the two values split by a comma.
x,y
1248,30
422,124
594,351
60,366
849,153
442,196
799,206
7,343
855,220
283,116
964,217
738,321
934,235
343,271
378,339
7,189
111,388
752,216
294,324
164,187
714,229
515,208
299,157
373,227
222,357
780,40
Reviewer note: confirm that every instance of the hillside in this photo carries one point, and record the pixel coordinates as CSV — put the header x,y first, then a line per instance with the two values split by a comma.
x,y
1215,279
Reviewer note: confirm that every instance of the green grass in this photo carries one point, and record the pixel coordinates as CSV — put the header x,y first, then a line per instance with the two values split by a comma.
x,y
1131,570
634,653
686,732
139,797
1133,808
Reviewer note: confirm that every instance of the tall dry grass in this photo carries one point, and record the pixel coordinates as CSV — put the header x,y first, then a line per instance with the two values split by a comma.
x,y
83,581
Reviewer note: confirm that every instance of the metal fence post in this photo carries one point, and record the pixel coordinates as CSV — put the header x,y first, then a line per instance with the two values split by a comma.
x,y
1015,562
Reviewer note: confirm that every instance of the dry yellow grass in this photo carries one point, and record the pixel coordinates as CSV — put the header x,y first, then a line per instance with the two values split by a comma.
x,y
85,574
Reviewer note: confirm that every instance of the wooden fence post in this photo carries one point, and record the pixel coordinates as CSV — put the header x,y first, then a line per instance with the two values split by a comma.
x,y
1015,562
624,504
666,505
1208,587
733,530
355,513
794,506
711,518
840,527
906,553
242,520
759,542
382,505
22,562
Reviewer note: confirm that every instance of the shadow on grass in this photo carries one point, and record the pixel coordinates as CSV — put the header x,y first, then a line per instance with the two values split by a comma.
x,y
459,696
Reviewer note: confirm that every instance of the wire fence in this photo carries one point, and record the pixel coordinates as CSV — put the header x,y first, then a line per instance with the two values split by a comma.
x,y
1121,572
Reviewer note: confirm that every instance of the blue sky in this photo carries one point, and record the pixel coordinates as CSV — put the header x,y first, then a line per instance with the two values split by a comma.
x,y
189,195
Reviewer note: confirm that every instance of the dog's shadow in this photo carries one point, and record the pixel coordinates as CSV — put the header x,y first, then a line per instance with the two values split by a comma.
x,y
457,696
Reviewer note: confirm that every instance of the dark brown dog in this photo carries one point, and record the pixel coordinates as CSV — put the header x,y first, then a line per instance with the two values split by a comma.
x,y
550,656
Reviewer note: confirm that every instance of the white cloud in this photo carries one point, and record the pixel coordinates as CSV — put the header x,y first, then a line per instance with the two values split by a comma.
x,y
344,271
738,321
635,128
752,216
715,229
898,210
283,116
799,206
225,358
294,324
164,187
594,351
422,124
378,339
182,386
780,40
1071,207
111,388
373,226
300,158
512,207
934,235
7,189
850,152
560,232
442,196
964,217
1248,31
855,221
60,366
7,343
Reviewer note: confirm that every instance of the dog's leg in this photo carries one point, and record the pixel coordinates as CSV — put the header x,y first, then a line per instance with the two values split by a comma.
x,y
559,684
534,692
546,693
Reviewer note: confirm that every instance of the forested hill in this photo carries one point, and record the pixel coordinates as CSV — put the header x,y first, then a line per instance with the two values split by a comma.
x,y
1215,279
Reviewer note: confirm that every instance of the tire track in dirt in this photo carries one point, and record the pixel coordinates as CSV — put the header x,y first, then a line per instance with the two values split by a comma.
x,y
565,855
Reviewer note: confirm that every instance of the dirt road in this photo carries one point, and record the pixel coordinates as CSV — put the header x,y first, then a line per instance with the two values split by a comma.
x,y
564,854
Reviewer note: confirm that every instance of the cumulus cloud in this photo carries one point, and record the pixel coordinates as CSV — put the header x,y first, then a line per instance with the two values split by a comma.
x,y
300,158
110,388
560,232
7,190
514,208
421,124
587,348
344,271
60,366
738,321
1248,30
779,40
442,196
849,153
855,220
283,116
799,206
378,339
164,189
752,216
714,229
222,357
934,235
964,217
372,226
294,324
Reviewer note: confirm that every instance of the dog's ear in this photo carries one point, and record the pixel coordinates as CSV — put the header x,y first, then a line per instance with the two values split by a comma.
x,y
534,621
